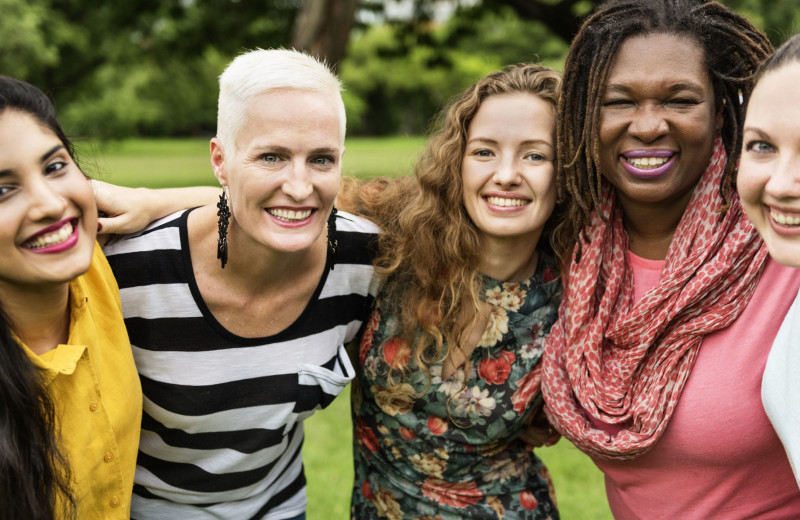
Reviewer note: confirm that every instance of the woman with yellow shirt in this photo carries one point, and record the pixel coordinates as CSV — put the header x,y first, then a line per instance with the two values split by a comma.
x,y
70,398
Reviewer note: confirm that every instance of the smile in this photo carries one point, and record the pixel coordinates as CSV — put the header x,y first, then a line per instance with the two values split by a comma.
x,y
507,202
783,219
54,239
290,215
648,164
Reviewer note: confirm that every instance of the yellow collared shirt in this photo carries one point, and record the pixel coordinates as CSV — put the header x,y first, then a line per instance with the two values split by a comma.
x,y
97,395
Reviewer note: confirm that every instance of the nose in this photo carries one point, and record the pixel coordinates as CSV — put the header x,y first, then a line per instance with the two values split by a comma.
x,y
648,123
507,173
784,183
298,181
45,200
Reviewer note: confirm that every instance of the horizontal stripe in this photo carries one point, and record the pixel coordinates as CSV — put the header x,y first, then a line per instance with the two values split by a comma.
x,y
251,440
221,366
155,301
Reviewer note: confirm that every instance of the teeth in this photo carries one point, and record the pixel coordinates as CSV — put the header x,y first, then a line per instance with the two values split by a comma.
x,y
784,220
49,239
647,162
500,201
290,215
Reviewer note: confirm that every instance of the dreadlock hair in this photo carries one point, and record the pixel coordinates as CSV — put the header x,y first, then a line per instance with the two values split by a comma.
x,y
430,247
733,49
34,474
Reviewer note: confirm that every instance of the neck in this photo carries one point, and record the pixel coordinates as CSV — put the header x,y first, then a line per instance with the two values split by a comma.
x,y
38,315
651,227
509,260
251,268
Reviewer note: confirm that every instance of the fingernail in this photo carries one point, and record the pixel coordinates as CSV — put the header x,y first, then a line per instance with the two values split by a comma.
x,y
99,227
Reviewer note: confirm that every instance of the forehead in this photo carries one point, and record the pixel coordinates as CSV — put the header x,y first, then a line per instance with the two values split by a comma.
x,y
519,115
23,138
667,58
286,116
775,101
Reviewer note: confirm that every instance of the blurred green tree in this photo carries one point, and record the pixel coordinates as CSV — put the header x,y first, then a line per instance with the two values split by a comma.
x,y
149,67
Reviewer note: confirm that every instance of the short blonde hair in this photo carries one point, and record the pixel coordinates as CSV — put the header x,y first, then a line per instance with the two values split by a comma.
x,y
261,70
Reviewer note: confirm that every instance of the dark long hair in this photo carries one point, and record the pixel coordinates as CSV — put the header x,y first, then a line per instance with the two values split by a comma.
x,y
733,49
34,474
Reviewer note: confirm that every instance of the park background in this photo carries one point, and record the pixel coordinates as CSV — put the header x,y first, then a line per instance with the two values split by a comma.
x,y
135,84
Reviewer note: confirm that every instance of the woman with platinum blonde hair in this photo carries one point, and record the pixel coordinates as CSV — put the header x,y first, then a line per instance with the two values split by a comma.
x,y
239,312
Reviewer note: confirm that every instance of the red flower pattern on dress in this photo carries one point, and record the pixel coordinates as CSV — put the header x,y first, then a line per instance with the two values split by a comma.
x,y
407,433
527,387
367,491
396,353
453,494
366,337
365,436
437,425
528,501
495,370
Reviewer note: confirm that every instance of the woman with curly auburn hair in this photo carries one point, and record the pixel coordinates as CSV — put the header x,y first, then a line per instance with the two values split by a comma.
x,y
670,302
448,366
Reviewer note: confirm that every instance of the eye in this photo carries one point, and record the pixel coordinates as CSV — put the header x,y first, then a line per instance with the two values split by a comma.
x,y
536,157
6,189
323,160
54,166
682,102
483,153
270,157
618,103
759,147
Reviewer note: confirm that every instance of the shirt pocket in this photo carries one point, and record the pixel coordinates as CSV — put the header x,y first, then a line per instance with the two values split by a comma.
x,y
318,385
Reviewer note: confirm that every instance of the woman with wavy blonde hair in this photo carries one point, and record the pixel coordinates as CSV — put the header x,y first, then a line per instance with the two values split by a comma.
x,y
448,364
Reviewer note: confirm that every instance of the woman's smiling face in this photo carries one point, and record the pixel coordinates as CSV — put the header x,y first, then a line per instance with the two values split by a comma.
x,y
507,172
283,173
769,170
48,217
658,120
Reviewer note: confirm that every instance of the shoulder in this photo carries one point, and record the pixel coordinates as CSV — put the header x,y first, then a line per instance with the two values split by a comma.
x,y
164,233
356,239
353,223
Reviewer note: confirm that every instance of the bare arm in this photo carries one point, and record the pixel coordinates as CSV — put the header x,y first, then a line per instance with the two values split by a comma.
x,y
126,210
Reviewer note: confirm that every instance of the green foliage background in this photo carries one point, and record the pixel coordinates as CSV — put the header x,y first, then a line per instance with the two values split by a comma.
x,y
150,67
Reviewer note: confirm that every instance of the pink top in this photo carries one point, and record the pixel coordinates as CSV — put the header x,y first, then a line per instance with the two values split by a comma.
x,y
719,456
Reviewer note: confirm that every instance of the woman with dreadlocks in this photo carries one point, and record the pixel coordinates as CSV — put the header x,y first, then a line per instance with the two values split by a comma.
x,y
671,303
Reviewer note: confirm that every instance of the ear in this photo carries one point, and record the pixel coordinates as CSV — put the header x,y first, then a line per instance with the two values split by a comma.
x,y
218,161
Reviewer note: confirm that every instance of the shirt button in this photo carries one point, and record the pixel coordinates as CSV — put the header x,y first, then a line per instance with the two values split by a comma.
x,y
108,457
93,406
115,501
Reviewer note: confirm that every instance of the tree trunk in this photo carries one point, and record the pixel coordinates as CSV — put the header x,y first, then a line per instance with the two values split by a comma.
x,y
322,28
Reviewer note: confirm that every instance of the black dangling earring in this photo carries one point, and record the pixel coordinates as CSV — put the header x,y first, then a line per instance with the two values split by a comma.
x,y
224,214
332,242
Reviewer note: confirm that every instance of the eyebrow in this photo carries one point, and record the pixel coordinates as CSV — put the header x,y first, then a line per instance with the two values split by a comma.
x,y
283,150
526,142
761,133
677,87
43,158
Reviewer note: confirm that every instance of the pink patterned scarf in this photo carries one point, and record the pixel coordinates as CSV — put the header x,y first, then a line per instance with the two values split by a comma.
x,y
626,364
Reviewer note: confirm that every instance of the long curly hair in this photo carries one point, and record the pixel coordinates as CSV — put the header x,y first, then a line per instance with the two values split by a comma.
x,y
429,249
733,49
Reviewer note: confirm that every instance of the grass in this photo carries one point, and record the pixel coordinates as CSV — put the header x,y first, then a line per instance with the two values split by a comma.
x,y
165,163
327,453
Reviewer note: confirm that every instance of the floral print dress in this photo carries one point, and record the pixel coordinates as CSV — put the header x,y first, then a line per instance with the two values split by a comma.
x,y
454,451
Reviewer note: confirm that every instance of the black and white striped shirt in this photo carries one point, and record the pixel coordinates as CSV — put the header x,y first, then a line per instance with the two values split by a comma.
x,y
222,424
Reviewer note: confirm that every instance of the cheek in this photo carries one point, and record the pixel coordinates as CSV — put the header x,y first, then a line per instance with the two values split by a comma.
x,y
750,181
